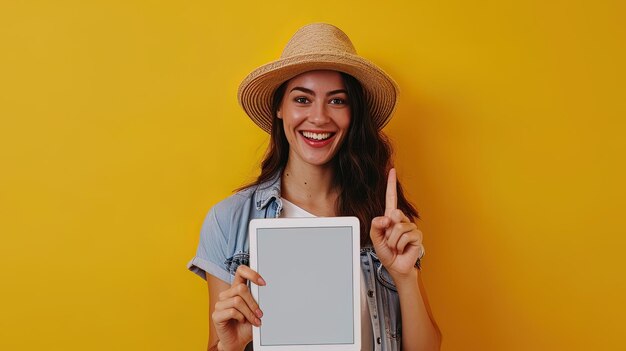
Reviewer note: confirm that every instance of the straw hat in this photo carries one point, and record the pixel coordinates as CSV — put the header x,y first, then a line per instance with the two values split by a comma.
x,y
313,47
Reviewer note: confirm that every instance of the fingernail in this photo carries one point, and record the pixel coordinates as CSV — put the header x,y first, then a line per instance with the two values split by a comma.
x,y
258,321
259,313
261,281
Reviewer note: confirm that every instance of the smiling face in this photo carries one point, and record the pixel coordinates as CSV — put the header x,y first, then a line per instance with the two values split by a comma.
x,y
316,116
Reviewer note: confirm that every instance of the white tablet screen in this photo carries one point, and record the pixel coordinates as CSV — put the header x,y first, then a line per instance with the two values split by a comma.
x,y
308,299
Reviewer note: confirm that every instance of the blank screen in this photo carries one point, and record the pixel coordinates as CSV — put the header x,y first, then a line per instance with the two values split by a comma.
x,y
308,299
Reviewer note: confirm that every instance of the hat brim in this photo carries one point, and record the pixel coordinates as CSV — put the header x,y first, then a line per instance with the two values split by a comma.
x,y
257,89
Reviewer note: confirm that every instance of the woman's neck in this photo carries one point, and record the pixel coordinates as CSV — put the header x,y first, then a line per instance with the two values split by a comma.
x,y
311,188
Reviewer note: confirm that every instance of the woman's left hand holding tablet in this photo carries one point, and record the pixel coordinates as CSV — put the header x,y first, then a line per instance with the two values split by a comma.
x,y
236,311
396,240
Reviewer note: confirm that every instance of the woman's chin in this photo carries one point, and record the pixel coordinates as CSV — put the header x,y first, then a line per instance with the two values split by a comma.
x,y
319,162
317,156
316,160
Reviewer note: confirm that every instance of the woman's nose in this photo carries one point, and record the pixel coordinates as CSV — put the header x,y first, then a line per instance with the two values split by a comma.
x,y
319,114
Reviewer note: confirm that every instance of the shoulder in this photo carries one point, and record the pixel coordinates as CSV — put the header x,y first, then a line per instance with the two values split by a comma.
x,y
236,200
230,209
244,205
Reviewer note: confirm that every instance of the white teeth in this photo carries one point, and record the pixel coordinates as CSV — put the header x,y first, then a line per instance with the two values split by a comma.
x,y
316,136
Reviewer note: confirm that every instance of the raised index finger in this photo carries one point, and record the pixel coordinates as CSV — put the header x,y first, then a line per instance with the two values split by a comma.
x,y
391,198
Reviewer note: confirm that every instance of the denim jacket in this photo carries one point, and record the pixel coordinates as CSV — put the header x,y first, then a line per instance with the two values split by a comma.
x,y
224,246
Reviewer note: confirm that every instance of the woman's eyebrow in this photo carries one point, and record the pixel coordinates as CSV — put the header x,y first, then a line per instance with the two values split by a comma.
x,y
311,92
338,91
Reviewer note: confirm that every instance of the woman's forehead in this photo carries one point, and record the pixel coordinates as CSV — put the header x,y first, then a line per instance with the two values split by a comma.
x,y
319,80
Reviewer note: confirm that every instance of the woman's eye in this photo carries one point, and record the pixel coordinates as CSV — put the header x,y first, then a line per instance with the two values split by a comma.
x,y
301,100
338,101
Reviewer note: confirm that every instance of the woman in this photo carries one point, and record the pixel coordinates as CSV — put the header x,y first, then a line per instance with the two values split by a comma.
x,y
323,106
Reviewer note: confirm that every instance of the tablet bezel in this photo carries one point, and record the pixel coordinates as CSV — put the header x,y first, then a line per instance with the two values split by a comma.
x,y
312,222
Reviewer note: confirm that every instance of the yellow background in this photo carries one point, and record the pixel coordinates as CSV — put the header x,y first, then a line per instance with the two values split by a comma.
x,y
119,129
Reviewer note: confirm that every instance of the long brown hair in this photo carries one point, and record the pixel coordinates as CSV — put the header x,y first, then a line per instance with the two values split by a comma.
x,y
361,164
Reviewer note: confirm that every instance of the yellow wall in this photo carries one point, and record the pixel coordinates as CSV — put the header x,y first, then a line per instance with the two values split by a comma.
x,y
120,128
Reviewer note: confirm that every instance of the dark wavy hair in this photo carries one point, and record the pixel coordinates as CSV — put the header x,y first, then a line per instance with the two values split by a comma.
x,y
361,164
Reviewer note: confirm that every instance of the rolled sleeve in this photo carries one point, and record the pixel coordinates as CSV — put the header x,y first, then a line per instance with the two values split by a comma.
x,y
211,256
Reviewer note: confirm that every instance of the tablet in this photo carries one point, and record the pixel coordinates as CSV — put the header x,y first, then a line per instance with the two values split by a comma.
x,y
312,297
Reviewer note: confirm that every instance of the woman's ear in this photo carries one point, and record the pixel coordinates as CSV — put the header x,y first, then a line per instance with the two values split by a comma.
x,y
278,114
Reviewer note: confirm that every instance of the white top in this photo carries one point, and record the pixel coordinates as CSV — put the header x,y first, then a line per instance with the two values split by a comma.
x,y
291,210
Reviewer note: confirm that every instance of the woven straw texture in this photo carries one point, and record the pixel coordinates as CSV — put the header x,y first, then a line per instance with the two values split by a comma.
x,y
317,46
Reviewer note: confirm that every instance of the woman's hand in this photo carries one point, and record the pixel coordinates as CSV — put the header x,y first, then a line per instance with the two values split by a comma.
x,y
396,240
236,311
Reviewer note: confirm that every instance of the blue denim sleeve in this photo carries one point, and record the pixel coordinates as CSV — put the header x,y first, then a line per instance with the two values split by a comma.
x,y
211,254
